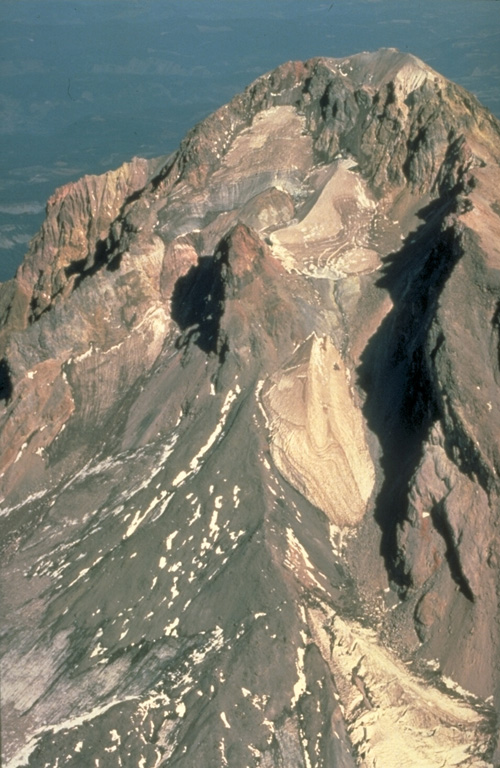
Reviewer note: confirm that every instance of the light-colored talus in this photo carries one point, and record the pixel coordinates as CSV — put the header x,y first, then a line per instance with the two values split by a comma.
x,y
317,432
395,719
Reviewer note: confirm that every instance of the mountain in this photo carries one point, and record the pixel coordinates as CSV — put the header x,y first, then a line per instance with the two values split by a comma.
x,y
249,444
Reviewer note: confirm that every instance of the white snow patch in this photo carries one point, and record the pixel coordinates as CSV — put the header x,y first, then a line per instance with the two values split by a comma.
x,y
170,629
214,528
300,686
179,478
20,452
269,724
235,535
140,516
453,686
195,461
84,355
258,390
82,573
174,591
28,500
229,399
22,757
196,516
169,540
222,749
236,498
98,650
433,664
296,551
214,644
224,719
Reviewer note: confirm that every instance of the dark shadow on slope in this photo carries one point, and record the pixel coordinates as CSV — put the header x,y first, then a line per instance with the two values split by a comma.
x,y
496,327
443,527
80,267
198,305
107,253
5,381
395,373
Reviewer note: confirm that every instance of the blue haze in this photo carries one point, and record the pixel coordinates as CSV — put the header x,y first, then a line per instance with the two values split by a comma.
x,y
87,84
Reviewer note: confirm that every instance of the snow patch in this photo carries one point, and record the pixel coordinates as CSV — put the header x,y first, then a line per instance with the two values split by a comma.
x,y
22,757
28,500
169,540
236,497
296,554
258,391
300,686
196,516
179,478
20,452
171,629
140,516
214,529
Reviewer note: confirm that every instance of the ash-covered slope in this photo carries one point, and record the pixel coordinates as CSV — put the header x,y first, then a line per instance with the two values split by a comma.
x,y
249,442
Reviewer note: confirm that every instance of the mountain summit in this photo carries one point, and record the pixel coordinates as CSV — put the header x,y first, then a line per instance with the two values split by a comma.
x,y
249,445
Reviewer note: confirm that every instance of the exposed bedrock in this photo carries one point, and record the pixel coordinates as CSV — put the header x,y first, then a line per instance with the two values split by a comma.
x,y
430,375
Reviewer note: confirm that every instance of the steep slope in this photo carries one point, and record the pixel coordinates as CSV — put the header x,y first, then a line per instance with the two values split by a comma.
x,y
249,440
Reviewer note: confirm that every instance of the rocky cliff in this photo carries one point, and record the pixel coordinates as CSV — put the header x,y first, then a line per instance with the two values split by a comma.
x,y
249,444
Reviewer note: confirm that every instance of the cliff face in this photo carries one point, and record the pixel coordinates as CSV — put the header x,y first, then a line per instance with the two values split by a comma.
x,y
249,439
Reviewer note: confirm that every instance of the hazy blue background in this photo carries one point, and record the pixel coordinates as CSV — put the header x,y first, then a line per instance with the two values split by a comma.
x,y
87,84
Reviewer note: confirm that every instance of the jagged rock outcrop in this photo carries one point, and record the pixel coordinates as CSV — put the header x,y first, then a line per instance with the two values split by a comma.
x,y
249,439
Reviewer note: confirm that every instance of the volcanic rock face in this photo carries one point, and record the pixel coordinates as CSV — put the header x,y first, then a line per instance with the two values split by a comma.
x,y
249,440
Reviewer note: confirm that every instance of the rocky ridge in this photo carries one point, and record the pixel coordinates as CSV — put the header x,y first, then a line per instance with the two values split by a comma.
x,y
249,439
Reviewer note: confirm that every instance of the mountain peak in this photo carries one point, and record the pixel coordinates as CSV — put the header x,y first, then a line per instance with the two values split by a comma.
x,y
249,439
